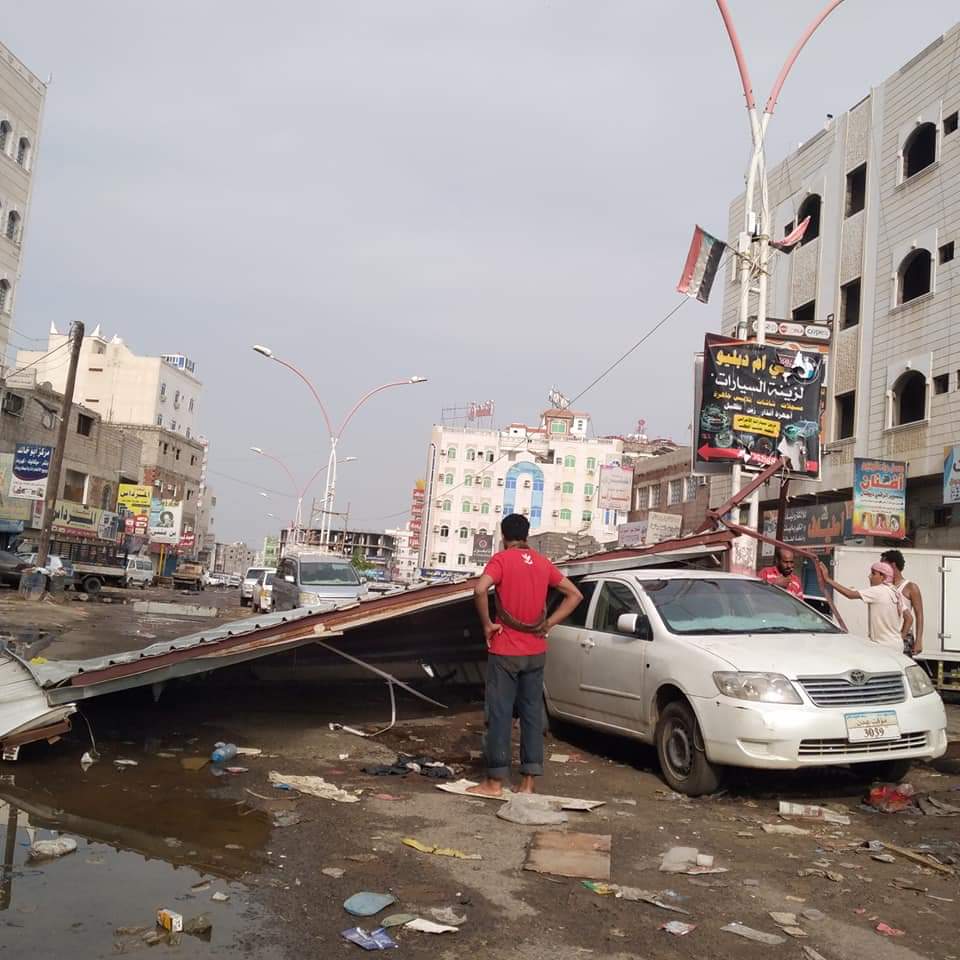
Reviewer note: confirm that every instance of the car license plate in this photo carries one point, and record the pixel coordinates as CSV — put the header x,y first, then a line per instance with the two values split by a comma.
x,y
873,725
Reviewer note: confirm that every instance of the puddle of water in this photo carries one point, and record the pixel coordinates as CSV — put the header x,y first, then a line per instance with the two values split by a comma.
x,y
26,642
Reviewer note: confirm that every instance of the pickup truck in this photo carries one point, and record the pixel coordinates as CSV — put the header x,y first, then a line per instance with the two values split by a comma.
x,y
188,576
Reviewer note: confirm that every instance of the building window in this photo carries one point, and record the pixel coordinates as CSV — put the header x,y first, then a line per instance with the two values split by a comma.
x,y
163,391
4,296
84,425
191,404
189,494
946,252
461,559
856,190
569,461
489,456
107,499
846,408
535,514
913,277
23,153
691,485
13,226
485,507
159,419
587,516
193,459
188,433
448,480
13,404
487,482
909,398
941,383
511,483
5,131
942,516
675,491
919,150
655,495
465,506
566,515
567,487
805,313
451,453
588,489
444,531
468,480
441,558
538,483
471,453
558,426
74,486
810,208
464,533
850,304
591,463
950,123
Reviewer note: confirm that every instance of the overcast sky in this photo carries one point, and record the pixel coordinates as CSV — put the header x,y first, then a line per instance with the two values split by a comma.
x,y
496,194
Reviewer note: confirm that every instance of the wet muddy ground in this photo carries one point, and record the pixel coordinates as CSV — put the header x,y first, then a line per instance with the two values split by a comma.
x,y
149,834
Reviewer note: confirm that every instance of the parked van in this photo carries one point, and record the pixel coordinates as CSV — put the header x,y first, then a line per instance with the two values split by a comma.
x,y
305,579
139,572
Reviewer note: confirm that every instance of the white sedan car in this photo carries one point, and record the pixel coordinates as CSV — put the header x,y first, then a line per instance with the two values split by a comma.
x,y
716,670
262,600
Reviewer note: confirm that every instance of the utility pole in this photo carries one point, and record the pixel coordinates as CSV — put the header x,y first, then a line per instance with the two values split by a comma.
x,y
56,461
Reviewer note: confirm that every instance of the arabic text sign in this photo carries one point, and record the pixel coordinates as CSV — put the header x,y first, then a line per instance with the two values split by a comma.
x,y
482,547
88,522
632,534
616,488
135,498
760,402
879,498
31,464
15,509
951,475
166,518
814,525
663,526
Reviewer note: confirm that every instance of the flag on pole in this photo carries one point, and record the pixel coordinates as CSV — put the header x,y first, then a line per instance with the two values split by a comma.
x,y
792,238
701,266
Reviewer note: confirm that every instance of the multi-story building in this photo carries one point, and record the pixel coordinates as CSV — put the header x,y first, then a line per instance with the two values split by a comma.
x,y
878,261
21,113
123,386
405,556
375,548
206,538
233,558
271,551
665,484
551,473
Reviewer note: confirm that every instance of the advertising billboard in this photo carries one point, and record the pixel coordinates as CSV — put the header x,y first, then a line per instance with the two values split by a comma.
x,y
483,544
811,526
951,475
632,534
135,498
91,523
879,498
760,402
31,464
663,526
616,488
166,518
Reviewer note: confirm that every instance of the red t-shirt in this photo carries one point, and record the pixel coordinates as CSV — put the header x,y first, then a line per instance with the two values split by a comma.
x,y
522,578
793,584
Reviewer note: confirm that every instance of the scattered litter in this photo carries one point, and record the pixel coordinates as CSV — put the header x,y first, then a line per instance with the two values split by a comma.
x,y
377,939
52,849
874,845
625,801
335,872
424,765
428,926
749,883
823,874
249,752
286,818
812,913
922,859
199,926
87,761
362,857
386,796
812,954
902,883
891,797
930,896
746,834
687,860
678,928
448,915
166,755
172,842
559,758
798,933
883,857
887,931
200,886
460,787
933,807
219,897
671,795
170,920
367,904
601,889
439,851
580,855
125,763
784,919
809,811
194,763
397,919
531,811
232,846
787,829
314,786
748,933
237,770
646,896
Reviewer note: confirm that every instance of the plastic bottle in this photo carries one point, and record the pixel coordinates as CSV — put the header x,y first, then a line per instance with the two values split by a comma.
x,y
223,751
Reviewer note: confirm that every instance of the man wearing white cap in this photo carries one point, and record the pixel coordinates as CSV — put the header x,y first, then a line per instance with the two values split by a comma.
x,y
888,620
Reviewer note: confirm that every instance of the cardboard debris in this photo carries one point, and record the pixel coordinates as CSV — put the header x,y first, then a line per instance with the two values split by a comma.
x,y
688,860
314,787
786,829
933,807
758,936
922,859
531,811
460,787
810,811
580,855
439,851
678,928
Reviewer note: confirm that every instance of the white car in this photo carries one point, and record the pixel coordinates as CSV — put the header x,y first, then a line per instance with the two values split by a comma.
x,y
262,599
719,670
246,585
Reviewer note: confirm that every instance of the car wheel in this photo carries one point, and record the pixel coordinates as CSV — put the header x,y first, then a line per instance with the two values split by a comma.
x,y
890,771
91,586
683,761
244,601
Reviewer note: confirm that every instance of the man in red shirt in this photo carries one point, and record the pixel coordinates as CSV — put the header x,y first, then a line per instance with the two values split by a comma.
x,y
517,646
781,574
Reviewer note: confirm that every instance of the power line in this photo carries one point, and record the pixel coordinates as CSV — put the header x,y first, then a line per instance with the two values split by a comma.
x,y
33,363
247,483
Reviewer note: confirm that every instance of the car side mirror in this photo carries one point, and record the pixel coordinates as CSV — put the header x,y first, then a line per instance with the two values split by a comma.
x,y
288,578
634,625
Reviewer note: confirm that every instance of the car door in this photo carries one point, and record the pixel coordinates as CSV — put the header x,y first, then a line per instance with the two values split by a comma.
x,y
611,662
284,592
562,672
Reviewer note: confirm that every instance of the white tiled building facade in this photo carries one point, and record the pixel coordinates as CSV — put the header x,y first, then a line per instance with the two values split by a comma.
x,y
405,560
21,112
881,183
549,473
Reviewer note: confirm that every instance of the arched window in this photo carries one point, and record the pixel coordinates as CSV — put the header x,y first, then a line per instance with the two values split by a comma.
x,y
485,507
107,500
587,516
919,150
448,480
591,463
5,131
464,533
569,461
489,456
451,453
913,277
447,506
444,531
471,453
565,515
810,208
12,230
909,398
461,560
487,483
482,530
4,296
441,558
468,480
588,489
465,506
568,487
23,153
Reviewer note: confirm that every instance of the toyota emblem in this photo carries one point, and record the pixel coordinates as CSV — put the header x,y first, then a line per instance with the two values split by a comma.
x,y
858,677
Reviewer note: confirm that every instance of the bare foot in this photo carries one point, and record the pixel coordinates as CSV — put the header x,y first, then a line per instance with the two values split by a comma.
x,y
489,788
527,785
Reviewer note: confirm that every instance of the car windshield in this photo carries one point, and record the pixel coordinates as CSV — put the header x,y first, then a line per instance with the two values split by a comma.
x,y
701,606
254,573
268,579
327,573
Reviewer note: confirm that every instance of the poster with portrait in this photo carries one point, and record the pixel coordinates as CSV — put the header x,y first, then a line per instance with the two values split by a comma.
x,y
879,498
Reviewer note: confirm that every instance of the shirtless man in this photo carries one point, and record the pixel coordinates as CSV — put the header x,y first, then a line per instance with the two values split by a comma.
x,y
911,594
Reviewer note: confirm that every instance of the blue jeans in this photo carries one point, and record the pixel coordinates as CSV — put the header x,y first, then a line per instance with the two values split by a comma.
x,y
514,680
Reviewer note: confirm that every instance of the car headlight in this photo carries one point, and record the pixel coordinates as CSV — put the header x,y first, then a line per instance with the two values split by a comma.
x,y
920,684
308,598
760,687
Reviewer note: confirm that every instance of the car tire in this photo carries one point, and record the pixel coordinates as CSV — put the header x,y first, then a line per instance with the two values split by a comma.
x,y
890,771
683,760
91,586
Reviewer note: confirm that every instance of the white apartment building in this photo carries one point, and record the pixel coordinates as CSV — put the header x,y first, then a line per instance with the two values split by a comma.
x,y
405,558
549,473
21,113
122,386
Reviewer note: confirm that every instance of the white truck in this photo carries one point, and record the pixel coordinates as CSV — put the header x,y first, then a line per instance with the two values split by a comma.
x,y
937,574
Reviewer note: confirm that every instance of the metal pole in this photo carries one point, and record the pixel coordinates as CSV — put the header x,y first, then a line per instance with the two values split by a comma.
x,y
56,461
